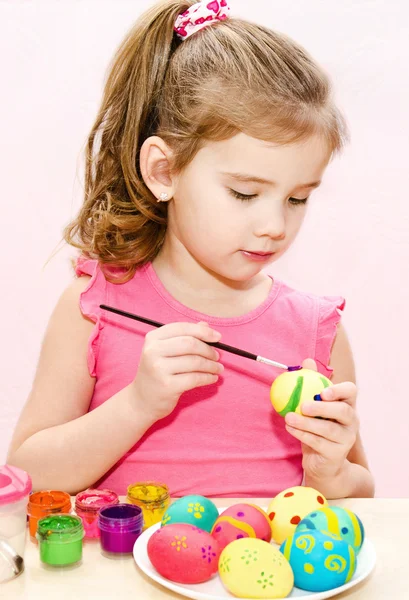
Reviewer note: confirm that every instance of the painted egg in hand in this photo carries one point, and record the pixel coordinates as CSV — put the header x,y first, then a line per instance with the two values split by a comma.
x,y
290,389
338,521
183,553
320,561
240,521
289,507
251,568
195,510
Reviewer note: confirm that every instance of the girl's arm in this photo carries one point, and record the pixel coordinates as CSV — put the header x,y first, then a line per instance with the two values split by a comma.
x,y
60,443
56,440
355,480
333,455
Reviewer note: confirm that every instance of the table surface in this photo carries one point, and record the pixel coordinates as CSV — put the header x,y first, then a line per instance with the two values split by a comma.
x,y
386,524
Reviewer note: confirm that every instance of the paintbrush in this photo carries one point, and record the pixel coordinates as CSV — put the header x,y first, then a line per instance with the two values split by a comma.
x,y
231,349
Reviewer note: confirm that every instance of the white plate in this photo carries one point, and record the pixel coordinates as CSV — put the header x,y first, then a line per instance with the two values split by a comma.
x,y
214,589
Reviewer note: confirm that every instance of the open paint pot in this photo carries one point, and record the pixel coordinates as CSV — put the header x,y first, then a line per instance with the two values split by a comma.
x,y
120,526
45,503
60,540
87,506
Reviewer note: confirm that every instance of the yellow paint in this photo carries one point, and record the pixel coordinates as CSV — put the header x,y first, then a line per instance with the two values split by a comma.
x,y
241,525
333,523
152,497
352,562
356,528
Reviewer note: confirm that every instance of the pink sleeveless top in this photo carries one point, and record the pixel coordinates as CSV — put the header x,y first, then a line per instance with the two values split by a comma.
x,y
224,439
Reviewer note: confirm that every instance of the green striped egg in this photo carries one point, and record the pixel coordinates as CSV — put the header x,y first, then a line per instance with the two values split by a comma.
x,y
338,521
292,388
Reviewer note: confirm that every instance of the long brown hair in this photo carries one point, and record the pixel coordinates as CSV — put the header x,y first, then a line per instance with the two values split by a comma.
x,y
229,77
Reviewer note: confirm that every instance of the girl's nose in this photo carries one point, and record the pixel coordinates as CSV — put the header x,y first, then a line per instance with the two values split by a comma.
x,y
272,225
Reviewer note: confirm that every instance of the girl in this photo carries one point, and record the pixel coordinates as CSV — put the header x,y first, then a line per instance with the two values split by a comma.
x,y
211,136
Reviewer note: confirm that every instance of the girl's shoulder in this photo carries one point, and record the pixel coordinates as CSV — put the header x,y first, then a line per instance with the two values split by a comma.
x,y
316,318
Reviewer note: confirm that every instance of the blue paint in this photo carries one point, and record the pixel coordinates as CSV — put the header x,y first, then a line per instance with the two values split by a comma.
x,y
318,398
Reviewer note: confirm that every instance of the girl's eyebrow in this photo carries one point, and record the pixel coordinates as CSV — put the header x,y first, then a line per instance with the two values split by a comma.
x,y
252,178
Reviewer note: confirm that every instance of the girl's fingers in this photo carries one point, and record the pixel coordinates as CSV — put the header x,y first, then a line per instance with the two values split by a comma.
x,y
189,381
192,364
315,442
345,391
340,411
333,432
309,363
187,345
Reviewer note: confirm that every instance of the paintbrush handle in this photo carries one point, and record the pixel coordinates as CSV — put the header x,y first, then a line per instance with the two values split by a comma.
x,y
226,347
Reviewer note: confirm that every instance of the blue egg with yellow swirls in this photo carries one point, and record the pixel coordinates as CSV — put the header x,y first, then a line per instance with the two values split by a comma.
x,y
339,521
320,561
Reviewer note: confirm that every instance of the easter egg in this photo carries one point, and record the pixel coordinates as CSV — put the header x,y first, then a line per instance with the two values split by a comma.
x,y
183,553
289,507
195,510
320,561
290,389
251,568
240,521
339,521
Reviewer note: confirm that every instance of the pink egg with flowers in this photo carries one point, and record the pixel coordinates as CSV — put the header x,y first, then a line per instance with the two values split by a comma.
x,y
241,521
183,553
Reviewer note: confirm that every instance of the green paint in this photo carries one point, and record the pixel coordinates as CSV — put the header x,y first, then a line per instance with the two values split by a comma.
x,y
294,398
325,382
60,539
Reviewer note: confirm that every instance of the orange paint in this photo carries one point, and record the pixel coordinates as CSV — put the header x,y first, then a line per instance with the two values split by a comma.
x,y
44,503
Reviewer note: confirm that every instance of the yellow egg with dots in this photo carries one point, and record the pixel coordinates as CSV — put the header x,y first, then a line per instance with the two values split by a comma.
x,y
290,389
252,568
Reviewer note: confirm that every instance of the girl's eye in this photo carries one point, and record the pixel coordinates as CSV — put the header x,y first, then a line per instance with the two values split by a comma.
x,y
298,201
244,197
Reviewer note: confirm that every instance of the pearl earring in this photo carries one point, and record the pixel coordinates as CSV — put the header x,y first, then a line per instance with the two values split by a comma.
x,y
163,197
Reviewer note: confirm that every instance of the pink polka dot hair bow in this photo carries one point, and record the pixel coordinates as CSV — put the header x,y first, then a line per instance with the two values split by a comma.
x,y
200,15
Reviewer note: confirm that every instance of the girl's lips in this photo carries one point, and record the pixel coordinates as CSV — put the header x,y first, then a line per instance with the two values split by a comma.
x,y
257,256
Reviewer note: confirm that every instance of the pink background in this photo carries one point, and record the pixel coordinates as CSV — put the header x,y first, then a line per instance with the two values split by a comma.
x,y
355,240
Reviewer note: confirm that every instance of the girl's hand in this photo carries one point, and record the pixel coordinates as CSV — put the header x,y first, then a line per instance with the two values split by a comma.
x,y
175,358
326,443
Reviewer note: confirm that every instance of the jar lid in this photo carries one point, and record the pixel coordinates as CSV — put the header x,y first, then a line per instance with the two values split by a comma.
x,y
15,484
94,499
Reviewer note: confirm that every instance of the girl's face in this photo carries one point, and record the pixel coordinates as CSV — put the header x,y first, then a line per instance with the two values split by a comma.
x,y
240,197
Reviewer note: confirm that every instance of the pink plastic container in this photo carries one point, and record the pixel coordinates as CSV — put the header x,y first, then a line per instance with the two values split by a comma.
x,y
87,506
15,488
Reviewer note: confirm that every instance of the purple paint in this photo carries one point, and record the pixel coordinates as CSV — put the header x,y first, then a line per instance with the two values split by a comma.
x,y
298,368
240,514
120,526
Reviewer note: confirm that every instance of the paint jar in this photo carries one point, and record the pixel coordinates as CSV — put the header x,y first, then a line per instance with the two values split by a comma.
x,y
88,505
152,497
15,487
120,526
60,540
42,504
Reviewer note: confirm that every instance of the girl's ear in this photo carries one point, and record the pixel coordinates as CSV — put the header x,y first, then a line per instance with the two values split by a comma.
x,y
155,160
